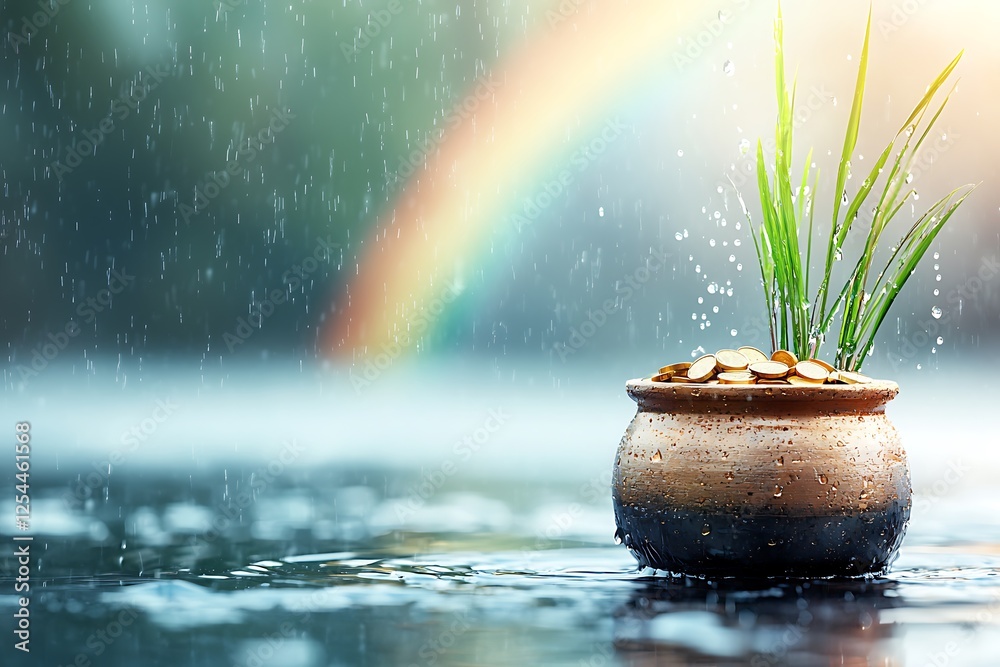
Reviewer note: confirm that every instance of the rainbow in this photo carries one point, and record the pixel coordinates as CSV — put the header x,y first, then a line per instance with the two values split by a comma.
x,y
585,59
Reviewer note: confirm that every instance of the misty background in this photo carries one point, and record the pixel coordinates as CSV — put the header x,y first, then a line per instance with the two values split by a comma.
x,y
126,276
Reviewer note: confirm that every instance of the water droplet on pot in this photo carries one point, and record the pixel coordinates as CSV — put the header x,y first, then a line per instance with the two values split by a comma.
x,y
822,479
771,542
777,491
780,461
729,476
619,536
657,456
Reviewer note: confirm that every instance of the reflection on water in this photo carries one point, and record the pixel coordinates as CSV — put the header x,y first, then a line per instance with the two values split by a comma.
x,y
334,567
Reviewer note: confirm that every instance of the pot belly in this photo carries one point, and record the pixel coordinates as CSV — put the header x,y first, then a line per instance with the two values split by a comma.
x,y
762,495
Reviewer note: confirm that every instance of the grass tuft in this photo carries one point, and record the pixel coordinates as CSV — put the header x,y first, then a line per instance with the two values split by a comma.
x,y
798,322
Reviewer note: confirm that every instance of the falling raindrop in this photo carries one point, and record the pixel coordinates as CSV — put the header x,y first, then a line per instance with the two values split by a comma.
x,y
729,68
744,146
936,312
734,333
940,340
600,211
680,152
679,236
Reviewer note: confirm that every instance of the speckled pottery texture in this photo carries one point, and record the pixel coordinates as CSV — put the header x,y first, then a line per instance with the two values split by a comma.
x,y
762,481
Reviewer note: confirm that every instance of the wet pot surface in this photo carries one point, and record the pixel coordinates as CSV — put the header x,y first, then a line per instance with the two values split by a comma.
x,y
749,481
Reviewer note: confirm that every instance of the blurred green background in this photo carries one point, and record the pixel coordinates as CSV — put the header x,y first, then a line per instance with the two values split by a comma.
x,y
185,85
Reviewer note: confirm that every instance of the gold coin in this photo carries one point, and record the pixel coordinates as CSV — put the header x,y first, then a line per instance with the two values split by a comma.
x,y
826,366
752,354
802,382
850,377
674,368
681,378
834,376
731,360
662,377
763,381
769,370
810,370
702,368
737,378
785,357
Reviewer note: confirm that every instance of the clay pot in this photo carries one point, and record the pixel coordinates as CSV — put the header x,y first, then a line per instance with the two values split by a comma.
x,y
754,480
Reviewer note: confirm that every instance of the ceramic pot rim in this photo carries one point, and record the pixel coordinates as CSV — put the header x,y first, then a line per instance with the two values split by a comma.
x,y
663,396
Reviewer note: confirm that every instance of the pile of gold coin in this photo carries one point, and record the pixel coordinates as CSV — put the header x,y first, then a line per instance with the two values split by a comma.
x,y
748,365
